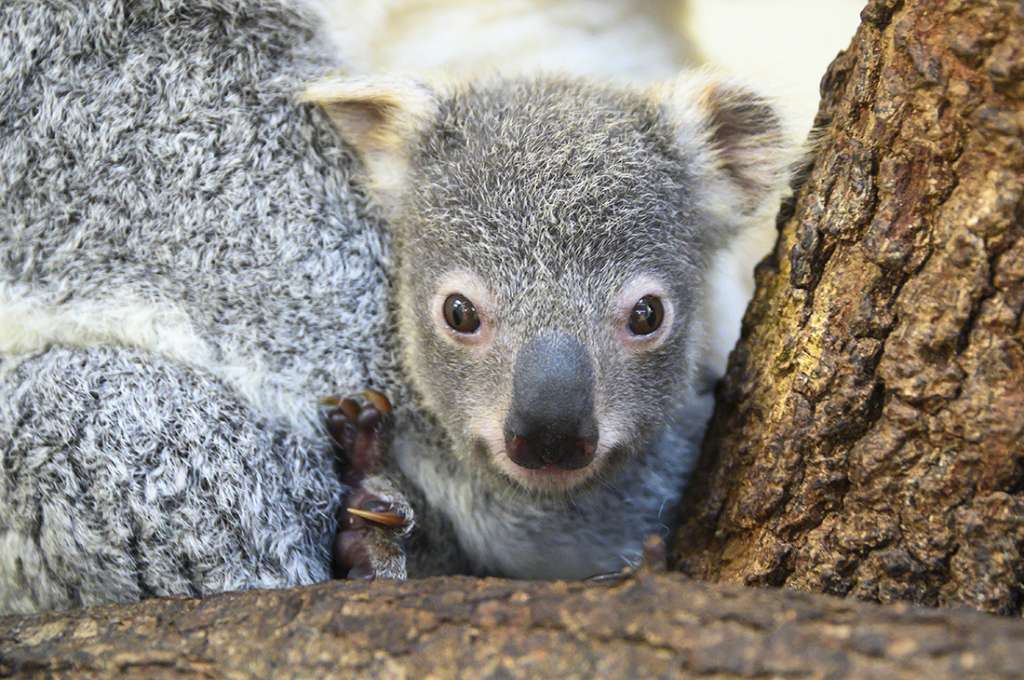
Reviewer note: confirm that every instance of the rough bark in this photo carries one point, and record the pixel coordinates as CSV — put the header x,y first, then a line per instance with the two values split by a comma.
x,y
869,435
651,626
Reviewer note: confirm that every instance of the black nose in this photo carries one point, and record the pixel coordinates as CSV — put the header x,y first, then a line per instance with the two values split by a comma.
x,y
551,421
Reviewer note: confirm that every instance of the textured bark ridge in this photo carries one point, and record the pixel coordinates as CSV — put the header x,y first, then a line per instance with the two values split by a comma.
x,y
869,436
651,626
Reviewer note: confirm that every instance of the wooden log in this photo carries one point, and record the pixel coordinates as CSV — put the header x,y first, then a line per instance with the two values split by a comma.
x,y
653,625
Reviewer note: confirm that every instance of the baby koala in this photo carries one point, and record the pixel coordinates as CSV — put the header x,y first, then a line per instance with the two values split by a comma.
x,y
554,242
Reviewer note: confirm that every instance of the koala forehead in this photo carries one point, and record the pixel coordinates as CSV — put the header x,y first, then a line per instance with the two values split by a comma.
x,y
552,176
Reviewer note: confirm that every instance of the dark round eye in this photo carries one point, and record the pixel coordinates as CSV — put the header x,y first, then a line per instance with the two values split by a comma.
x,y
460,314
646,316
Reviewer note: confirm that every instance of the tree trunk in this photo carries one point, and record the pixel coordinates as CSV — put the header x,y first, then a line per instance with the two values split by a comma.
x,y
869,435
651,626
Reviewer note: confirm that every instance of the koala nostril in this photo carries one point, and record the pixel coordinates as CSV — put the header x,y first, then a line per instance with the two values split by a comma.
x,y
578,454
585,449
565,453
522,454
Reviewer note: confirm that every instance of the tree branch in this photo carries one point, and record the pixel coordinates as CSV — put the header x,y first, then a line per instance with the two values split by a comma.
x,y
654,625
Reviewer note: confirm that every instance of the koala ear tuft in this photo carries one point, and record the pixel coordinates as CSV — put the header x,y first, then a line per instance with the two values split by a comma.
x,y
380,118
738,139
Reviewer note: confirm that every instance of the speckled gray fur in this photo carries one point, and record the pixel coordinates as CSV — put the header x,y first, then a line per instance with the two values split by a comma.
x,y
130,477
554,194
153,160
186,267
553,205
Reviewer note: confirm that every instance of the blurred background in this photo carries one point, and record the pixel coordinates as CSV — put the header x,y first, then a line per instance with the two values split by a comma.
x,y
781,46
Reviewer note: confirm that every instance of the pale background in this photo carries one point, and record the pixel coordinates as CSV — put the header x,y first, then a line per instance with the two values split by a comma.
x,y
782,46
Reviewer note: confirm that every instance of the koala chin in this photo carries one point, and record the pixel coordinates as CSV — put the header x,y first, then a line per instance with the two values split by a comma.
x,y
556,244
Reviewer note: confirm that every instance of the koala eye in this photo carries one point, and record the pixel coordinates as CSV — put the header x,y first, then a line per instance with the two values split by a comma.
x,y
460,314
646,316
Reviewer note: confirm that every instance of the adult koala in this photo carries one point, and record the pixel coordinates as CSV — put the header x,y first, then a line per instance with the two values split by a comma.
x,y
184,269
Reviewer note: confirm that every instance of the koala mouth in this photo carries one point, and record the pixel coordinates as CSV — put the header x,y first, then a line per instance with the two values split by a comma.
x,y
549,478
552,478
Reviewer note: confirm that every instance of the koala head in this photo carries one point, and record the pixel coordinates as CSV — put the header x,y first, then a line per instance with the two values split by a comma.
x,y
553,240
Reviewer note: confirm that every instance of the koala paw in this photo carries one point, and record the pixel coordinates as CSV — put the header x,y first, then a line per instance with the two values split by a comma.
x,y
375,517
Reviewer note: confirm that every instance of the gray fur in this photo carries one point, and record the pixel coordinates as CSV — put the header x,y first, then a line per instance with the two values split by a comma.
x,y
152,157
189,267
554,193
128,476
550,203
554,205
508,531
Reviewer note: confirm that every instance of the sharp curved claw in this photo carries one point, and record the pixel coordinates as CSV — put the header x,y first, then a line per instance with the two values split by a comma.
x,y
350,408
379,401
386,519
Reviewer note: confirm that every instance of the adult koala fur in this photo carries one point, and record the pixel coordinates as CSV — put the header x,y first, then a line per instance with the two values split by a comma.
x,y
184,269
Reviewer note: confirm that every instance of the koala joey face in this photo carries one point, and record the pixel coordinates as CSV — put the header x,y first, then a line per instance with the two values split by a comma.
x,y
552,378
553,239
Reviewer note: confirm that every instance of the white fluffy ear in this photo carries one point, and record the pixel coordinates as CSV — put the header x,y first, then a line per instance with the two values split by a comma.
x,y
738,139
380,118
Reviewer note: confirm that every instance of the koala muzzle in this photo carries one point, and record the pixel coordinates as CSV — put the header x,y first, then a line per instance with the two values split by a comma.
x,y
551,421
